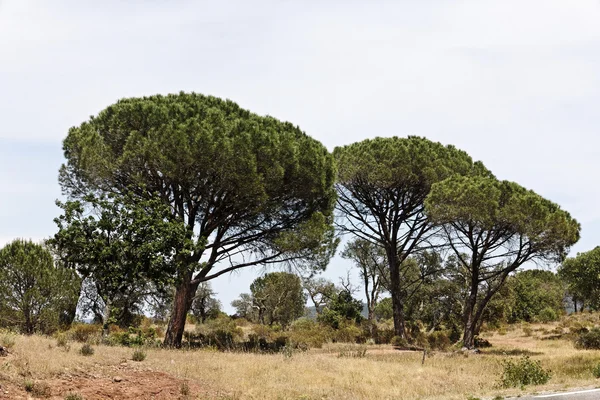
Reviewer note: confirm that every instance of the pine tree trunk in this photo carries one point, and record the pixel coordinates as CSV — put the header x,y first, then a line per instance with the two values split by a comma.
x,y
184,294
396,294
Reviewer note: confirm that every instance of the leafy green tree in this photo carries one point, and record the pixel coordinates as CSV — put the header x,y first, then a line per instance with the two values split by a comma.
x,y
122,247
535,295
247,189
279,298
383,310
493,227
382,185
371,261
342,307
35,292
582,276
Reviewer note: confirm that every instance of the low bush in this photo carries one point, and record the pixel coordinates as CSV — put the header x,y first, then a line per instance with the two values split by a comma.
x,y
547,314
439,340
8,340
482,343
398,341
86,350
138,355
588,339
84,332
523,372
596,371
308,333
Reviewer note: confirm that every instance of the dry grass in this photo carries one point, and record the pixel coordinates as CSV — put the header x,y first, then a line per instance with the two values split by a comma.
x,y
382,374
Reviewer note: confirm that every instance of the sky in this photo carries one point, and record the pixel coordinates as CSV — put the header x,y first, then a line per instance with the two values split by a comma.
x,y
515,83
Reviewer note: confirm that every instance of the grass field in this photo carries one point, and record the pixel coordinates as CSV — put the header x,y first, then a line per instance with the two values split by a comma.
x,y
333,372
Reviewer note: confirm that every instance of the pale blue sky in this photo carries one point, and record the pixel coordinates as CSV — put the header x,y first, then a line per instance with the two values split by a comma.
x,y
514,83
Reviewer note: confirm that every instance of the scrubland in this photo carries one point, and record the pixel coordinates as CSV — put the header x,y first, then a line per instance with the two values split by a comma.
x,y
334,371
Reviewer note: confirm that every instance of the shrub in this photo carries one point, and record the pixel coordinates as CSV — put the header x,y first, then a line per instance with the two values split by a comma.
x,y
307,333
438,340
38,389
547,314
399,341
84,332
86,350
221,332
527,330
8,340
588,340
596,371
28,385
523,372
138,355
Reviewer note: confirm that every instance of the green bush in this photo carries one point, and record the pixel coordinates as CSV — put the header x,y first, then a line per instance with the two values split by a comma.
x,y
398,341
547,314
596,371
588,339
138,355
86,350
523,372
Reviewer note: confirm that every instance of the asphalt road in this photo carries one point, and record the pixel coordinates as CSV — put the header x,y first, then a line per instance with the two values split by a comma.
x,y
589,394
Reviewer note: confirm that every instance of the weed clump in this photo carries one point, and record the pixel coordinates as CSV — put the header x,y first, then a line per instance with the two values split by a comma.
x,y
138,355
596,371
86,350
523,372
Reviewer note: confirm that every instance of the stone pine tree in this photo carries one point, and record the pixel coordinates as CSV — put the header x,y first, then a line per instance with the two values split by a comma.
x,y
493,227
382,185
35,292
248,189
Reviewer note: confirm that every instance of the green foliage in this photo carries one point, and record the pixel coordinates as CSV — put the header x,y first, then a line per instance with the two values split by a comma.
x,y
36,294
596,371
236,182
382,185
523,372
138,355
340,308
221,332
279,298
500,225
399,341
439,340
86,350
582,275
588,340
383,310
205,305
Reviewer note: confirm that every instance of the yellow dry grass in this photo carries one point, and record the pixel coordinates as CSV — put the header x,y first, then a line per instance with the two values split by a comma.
x,y
383,373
